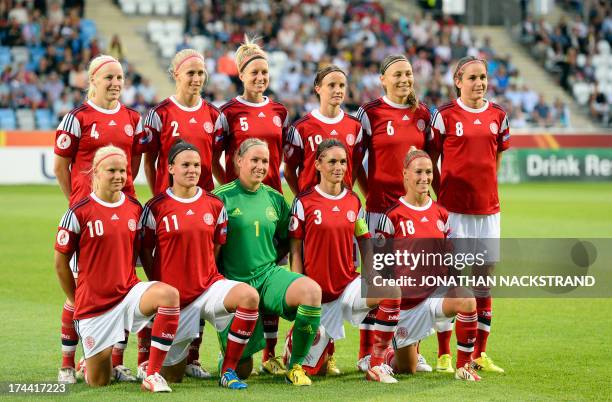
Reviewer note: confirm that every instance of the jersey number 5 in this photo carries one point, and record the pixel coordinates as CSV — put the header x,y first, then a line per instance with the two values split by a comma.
x,y
244,124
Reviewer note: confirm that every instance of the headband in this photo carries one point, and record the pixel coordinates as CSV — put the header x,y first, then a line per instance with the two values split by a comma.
x,y
185,59
101,64
106,157
179,147
386,66
247,61
331,70
459,70
415,155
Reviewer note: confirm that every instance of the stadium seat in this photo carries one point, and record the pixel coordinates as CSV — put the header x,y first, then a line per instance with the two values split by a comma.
x,y
155,27
7,119
162,7
603,47
44,119
145,7
128,7
174,28
178,7
582,91
200,43
21,54
25,119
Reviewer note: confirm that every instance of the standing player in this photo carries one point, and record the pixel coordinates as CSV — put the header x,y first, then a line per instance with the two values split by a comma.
x,y
470,134
186,227
254,115
100,121
108,298
324,220
187,116
329,121
258,219
392,124
414,216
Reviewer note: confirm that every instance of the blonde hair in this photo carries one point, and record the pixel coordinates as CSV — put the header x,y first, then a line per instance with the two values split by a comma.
x,y
94,66
180,57
248,52
101,154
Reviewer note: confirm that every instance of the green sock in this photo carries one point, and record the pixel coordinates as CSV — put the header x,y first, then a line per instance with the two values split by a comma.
x,y
305,328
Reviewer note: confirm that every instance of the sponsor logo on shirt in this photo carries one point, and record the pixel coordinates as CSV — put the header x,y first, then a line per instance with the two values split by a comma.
x,y
335,209
114,217
293,224
112,123
424,219
334,132
193,120
477,122
129,130
208,219
236,212
63,141
62,237
405,117
277,121
261,114
132,225
494,128
208,127
190,212
271,214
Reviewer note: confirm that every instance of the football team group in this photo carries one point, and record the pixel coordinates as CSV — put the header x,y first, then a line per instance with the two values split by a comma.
x,y
220,254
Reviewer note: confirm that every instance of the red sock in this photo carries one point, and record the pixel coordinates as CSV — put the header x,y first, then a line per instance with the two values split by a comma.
x,y
270,327
386,321
239,334
483,307
194,347
390,358
444,342
162,335
118,349
366,334
70,339
144,344
465,329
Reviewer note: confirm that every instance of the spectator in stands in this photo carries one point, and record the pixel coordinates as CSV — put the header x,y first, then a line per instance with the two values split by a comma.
x,y
560,114
541,113
116,48
599,107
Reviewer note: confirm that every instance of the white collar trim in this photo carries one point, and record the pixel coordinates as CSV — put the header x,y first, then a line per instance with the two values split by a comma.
x,y
415,208
185,108
102,110
109,204
393,104
196,197
469,109
329,196
246,102
328,120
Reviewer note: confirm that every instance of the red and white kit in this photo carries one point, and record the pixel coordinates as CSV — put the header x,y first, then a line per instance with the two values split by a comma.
x,y
308,132
267,121
184,233
390,130
88,127
405,221
170,121
108,291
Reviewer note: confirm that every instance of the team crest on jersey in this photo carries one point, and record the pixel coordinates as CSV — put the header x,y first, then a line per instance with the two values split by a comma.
x,y
494,128
421,124
129,130
208,127
62,237
271,214
350,139
401,332
441,226
277,121
132,225
350,215
63,141
208,219
89,342
293,224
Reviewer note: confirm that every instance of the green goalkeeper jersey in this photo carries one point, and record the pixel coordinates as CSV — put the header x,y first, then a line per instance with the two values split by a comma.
x,y
256,222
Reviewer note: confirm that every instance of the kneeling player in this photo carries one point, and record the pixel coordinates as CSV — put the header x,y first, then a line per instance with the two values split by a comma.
x,y
323,223
416,215
109,298
187,226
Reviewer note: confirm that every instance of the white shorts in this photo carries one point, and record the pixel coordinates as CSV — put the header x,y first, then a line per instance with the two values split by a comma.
x,y
483,227
103,331
209,306
418,322
350,306
372,219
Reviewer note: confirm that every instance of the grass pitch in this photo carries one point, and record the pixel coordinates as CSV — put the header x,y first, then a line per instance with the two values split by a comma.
x,y
552,349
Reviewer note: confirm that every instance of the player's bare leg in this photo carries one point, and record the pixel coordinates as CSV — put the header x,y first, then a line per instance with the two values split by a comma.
x,y
98,368
174,374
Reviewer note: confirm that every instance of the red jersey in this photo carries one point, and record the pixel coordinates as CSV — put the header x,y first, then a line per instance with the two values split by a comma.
x,y
104,237
308,132
267,121
406,221
390,130
327,225
170,121
184,233
88,127
469,141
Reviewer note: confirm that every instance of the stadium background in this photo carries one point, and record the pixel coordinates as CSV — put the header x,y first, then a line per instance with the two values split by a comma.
x,y
550,67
